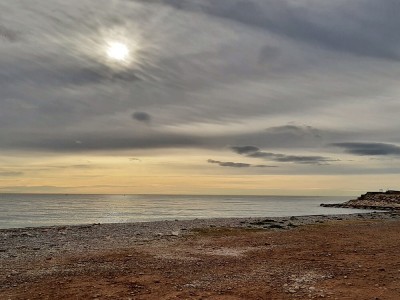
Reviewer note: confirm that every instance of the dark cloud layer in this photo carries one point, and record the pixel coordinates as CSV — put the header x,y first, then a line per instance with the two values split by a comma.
x,y
255,152
373,149
113,141
236,164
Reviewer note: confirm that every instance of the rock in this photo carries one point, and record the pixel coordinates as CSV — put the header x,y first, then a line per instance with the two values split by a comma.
x,y
262,222
277,226
389,200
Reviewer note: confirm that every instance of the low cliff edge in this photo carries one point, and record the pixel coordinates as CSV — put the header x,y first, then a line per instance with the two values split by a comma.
x,y
389,200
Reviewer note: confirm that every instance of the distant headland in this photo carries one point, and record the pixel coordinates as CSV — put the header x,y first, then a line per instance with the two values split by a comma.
x,y
389,200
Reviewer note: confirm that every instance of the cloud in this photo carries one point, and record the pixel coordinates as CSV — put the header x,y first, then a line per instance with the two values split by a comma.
x,y
32,189
100,141
229,164
327,25
268,53
135,159
373,149
10,173
301,159
141,117
245,149
81,166
47,73
252,151
8,35
294,131
243,68
236,164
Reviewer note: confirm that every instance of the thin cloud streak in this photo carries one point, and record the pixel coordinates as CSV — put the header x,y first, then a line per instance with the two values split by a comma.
x,y
237,164
371,149
255,152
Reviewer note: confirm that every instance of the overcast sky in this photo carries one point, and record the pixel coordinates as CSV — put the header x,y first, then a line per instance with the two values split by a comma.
x,y
212,97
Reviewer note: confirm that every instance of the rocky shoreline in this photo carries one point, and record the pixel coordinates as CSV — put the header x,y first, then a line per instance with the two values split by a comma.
x,y
384,201
16,242
51,240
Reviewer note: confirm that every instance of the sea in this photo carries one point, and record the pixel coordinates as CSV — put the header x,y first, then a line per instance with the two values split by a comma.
x,y
32,210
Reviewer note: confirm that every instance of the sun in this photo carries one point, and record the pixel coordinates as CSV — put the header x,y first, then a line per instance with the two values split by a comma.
x,y
117,51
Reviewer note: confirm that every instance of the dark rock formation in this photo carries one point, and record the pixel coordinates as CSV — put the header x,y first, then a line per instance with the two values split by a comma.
x,y
389,200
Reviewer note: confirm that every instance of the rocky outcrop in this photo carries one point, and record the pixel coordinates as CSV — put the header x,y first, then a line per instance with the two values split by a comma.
x,y
389,200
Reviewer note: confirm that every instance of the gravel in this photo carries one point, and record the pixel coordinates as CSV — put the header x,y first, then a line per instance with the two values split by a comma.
x,y
53,240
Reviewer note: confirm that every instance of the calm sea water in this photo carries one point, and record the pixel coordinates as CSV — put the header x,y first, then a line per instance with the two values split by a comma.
x,y
26,210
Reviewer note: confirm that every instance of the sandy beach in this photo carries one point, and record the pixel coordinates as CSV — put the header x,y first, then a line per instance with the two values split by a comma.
x,y
312,257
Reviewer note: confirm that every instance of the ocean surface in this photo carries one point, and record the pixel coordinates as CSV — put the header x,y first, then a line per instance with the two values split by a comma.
x,y
29,210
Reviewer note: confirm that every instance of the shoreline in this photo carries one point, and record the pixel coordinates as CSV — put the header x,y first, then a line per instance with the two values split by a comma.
x,y
86,235
65,211
200,219
52,262
217,220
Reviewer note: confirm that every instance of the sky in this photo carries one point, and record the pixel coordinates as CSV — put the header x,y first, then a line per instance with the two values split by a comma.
x,y
263,97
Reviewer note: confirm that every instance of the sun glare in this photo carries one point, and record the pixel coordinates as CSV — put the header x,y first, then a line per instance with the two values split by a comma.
x,y
118,51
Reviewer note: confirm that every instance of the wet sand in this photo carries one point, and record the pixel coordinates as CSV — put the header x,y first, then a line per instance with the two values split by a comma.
x,y
312,257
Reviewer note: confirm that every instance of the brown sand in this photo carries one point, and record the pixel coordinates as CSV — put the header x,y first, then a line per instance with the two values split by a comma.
x,y
348,259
